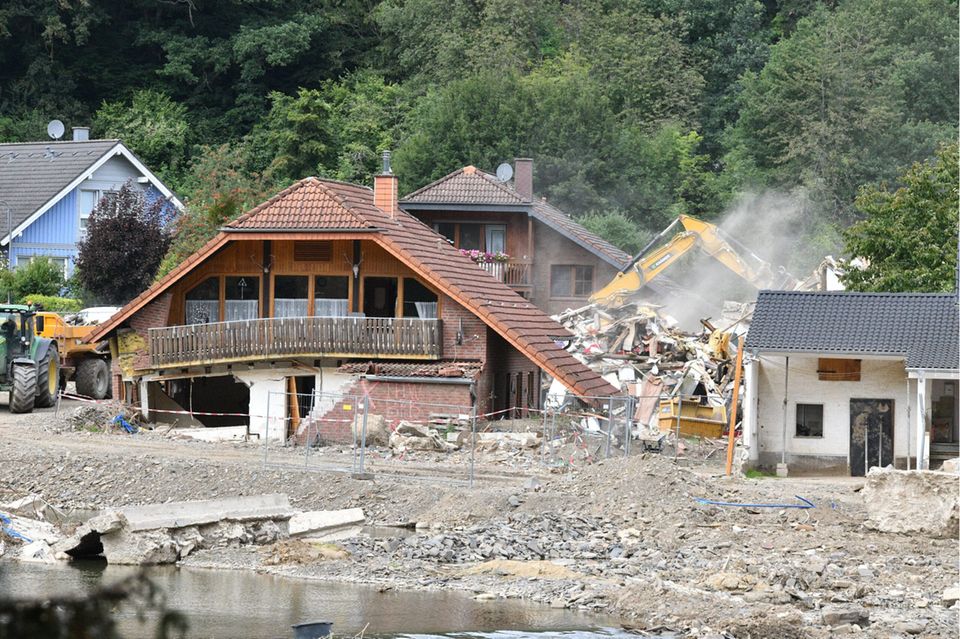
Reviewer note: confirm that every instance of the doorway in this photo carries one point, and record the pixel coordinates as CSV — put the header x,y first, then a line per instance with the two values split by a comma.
x,y
380,296
871,434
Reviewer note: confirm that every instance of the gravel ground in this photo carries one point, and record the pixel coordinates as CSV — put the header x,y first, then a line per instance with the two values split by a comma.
x,y
625,537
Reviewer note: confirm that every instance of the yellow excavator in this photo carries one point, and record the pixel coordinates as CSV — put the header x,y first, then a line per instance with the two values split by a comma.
x,y
651,262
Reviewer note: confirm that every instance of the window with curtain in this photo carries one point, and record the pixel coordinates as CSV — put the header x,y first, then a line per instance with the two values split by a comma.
x,y
331,296
291,296
241,298
418,300
203,302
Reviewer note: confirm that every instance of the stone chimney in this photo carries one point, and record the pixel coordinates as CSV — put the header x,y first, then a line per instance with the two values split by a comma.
x,y
523,178
81,133
385,188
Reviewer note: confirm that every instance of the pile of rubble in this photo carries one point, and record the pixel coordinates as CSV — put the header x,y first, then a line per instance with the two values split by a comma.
x,y
100,418
645,354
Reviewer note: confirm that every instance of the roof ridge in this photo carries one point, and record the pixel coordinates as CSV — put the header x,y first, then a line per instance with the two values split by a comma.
x,y
339,198
492,179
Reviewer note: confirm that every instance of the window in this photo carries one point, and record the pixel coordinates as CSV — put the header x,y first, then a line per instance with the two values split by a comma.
x,y
570,280
471,237
56,261
446,229
203,302
418,300
88,200
331,296
496,236
291,296
242,298
809,420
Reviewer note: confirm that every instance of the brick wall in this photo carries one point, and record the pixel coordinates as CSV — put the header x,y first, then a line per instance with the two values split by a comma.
x,y
153,315
395,401
474,343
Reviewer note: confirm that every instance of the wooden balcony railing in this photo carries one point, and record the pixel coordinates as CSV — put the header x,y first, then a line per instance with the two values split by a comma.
x,y
515,272
259,339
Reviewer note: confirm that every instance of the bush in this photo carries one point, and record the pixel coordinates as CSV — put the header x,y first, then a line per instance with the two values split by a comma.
x,y
39,277
53,303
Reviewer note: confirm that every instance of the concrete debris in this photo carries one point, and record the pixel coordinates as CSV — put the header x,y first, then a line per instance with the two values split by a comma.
x,y
912,501
325,523
376,430
165,533
410,436
951,466
951,596
840,615
37,552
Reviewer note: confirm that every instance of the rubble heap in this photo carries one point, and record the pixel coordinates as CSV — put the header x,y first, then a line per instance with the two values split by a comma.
x,y
644,353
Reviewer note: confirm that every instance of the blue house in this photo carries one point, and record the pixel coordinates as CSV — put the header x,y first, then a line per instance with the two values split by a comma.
x,y
49,189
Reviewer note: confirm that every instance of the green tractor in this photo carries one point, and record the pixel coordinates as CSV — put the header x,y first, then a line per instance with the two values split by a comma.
x,y
29,365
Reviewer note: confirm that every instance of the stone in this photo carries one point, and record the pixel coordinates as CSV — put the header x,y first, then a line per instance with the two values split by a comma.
x,y
37,552
910,627
912,501
377,430
950,596
558,603
139,548
318,523
840,615
951,466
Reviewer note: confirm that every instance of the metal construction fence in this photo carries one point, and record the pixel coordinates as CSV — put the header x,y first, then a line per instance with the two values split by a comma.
x,y
409,438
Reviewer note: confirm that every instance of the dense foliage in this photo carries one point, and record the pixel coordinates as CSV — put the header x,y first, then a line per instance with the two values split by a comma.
x,y
40,277
909,237
633,110
126,238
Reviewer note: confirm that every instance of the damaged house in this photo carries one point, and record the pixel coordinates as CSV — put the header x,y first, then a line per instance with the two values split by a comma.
x,y
331,288
841,382
545,255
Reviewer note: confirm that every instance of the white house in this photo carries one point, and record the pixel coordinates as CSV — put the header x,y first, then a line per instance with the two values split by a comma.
x,y
839,382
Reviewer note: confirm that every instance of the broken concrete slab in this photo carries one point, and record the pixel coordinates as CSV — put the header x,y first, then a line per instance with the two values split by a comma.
x,y
951,466
912,501
36,552
191,513
33,530
320,523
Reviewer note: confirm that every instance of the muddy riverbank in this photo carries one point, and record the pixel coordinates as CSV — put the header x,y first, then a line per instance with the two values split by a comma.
x,y
626,538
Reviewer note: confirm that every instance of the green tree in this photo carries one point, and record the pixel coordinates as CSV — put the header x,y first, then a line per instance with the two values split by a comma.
x,y
220,188
909,237
40,276
849,98
151,124
619,230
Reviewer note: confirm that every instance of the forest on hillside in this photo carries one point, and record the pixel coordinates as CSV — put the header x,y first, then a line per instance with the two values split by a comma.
x,y
633,110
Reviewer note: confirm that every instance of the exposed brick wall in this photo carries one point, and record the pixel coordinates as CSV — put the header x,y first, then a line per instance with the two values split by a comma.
x,y
474,345
153,315
395,401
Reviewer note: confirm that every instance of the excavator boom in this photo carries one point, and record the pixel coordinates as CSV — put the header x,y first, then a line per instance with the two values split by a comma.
x,y
651,262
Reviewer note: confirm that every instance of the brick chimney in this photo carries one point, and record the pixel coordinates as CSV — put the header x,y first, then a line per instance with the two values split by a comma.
x,y
523,178
385,188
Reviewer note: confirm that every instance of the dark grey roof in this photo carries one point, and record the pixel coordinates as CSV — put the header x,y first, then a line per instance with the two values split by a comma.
x,y
32,173
924,328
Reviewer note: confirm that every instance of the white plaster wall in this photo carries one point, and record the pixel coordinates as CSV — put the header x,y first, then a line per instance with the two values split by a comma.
x,y
268,389
879,379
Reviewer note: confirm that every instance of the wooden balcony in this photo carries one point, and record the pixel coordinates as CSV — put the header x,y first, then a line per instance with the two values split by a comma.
x,y
515,273
314,337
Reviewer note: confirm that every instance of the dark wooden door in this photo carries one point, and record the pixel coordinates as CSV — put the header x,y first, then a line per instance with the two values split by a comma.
x,y
871,434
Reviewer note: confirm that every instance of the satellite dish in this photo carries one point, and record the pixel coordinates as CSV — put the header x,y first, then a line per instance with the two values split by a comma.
x,y
504,172
55,129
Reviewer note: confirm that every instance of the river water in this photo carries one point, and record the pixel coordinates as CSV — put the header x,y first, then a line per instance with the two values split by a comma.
x,y
246,605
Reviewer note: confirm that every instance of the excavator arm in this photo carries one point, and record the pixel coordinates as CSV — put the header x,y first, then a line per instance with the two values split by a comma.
x,y
650,262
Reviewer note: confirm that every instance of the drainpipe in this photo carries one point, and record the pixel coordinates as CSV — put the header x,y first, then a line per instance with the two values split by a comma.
x,y
909,428
921,418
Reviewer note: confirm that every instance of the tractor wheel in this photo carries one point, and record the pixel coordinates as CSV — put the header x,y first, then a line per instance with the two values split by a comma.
x,y
48,378
24,391
93,378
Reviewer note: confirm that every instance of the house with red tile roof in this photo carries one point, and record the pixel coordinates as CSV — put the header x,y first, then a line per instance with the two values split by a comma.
x,y
332,288
548,258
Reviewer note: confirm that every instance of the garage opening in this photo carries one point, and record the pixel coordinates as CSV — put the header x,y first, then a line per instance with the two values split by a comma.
x,y
221,394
